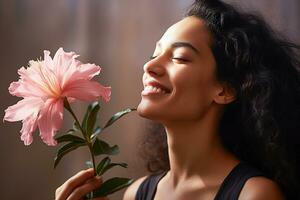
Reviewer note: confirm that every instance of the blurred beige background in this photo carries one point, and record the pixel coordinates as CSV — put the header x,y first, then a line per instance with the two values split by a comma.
x,y
119,35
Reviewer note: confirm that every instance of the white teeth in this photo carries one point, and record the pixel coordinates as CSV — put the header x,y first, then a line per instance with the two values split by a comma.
x,y
151,89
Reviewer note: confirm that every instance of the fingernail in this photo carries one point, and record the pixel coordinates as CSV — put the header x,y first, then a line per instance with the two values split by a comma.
x,y
99,178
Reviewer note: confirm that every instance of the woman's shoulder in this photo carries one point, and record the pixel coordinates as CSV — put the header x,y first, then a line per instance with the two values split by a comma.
x,y
261,188
131,191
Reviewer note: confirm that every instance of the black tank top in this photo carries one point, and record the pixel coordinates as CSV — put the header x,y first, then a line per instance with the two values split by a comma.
x,y
229,190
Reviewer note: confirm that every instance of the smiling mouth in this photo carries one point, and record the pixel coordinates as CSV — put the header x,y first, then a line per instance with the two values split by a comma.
x,y
149,89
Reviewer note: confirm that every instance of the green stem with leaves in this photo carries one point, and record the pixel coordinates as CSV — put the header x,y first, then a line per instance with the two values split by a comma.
x,y
88,141
96,146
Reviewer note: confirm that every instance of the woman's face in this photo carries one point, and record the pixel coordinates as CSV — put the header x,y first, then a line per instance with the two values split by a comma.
x,y
180,79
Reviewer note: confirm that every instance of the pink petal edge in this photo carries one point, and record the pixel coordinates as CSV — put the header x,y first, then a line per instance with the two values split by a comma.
x,y
86,90
50,120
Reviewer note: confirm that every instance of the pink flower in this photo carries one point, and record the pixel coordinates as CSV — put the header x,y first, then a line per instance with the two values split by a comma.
x,y
44,85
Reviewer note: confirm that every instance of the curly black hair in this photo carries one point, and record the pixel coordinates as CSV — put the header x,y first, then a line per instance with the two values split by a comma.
x,y
261,127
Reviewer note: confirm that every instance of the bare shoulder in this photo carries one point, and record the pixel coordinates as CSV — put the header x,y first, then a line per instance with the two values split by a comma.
x,y
261,188
132,189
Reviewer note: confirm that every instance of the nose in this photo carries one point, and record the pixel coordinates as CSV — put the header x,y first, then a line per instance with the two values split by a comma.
x,y
155,67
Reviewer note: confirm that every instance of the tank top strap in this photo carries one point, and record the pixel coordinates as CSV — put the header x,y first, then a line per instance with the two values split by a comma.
x,y
235,181
229,189
147,189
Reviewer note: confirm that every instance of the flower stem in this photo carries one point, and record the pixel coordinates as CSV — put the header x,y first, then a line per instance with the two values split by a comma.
x,y
88,141
93,158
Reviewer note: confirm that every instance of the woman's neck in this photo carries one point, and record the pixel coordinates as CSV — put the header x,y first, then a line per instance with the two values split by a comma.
x,y
195,150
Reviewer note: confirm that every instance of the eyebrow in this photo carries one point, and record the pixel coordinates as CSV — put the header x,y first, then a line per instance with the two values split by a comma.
x,y
182,44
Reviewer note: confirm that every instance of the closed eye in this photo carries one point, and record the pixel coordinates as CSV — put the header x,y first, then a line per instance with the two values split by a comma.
x,y
174,58
180,59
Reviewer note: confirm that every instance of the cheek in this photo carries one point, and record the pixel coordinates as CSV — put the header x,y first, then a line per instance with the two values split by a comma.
x,y
191,85
189,100
192,95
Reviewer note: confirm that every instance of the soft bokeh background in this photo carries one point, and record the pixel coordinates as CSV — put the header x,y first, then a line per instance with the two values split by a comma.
x,y
120,36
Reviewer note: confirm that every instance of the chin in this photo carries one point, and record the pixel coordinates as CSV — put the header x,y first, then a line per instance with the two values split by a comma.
x,y
143,110
149,112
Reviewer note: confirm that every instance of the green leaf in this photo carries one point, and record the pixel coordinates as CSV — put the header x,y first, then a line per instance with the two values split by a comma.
x,y
76,126
96,132
90,117
66,149
86,115
70,138
112,185
124,165
101,147
104,162
117,116
71,131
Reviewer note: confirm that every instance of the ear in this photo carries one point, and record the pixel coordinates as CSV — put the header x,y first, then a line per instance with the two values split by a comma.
x,y
225,94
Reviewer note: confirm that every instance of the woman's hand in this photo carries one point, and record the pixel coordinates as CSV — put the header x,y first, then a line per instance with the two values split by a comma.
x,y
78,186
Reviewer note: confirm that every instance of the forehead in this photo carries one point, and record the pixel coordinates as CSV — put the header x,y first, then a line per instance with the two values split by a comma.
x,y
189,29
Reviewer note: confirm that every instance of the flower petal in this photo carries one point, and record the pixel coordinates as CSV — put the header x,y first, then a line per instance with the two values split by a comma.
x,y
30,83
61,57
50,120
36,80
86,90
51,81
25,89
62,63
69,72
23,109
48,60
29,125
89,70
86,71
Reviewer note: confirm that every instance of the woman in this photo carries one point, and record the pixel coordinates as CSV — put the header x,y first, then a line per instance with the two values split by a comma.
x,y
226,89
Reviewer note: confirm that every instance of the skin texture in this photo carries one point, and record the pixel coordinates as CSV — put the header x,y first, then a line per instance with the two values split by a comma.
x,y
190,112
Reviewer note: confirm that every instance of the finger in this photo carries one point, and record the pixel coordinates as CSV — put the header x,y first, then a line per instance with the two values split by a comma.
x,y
80,178
84,189
57,193
74,182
